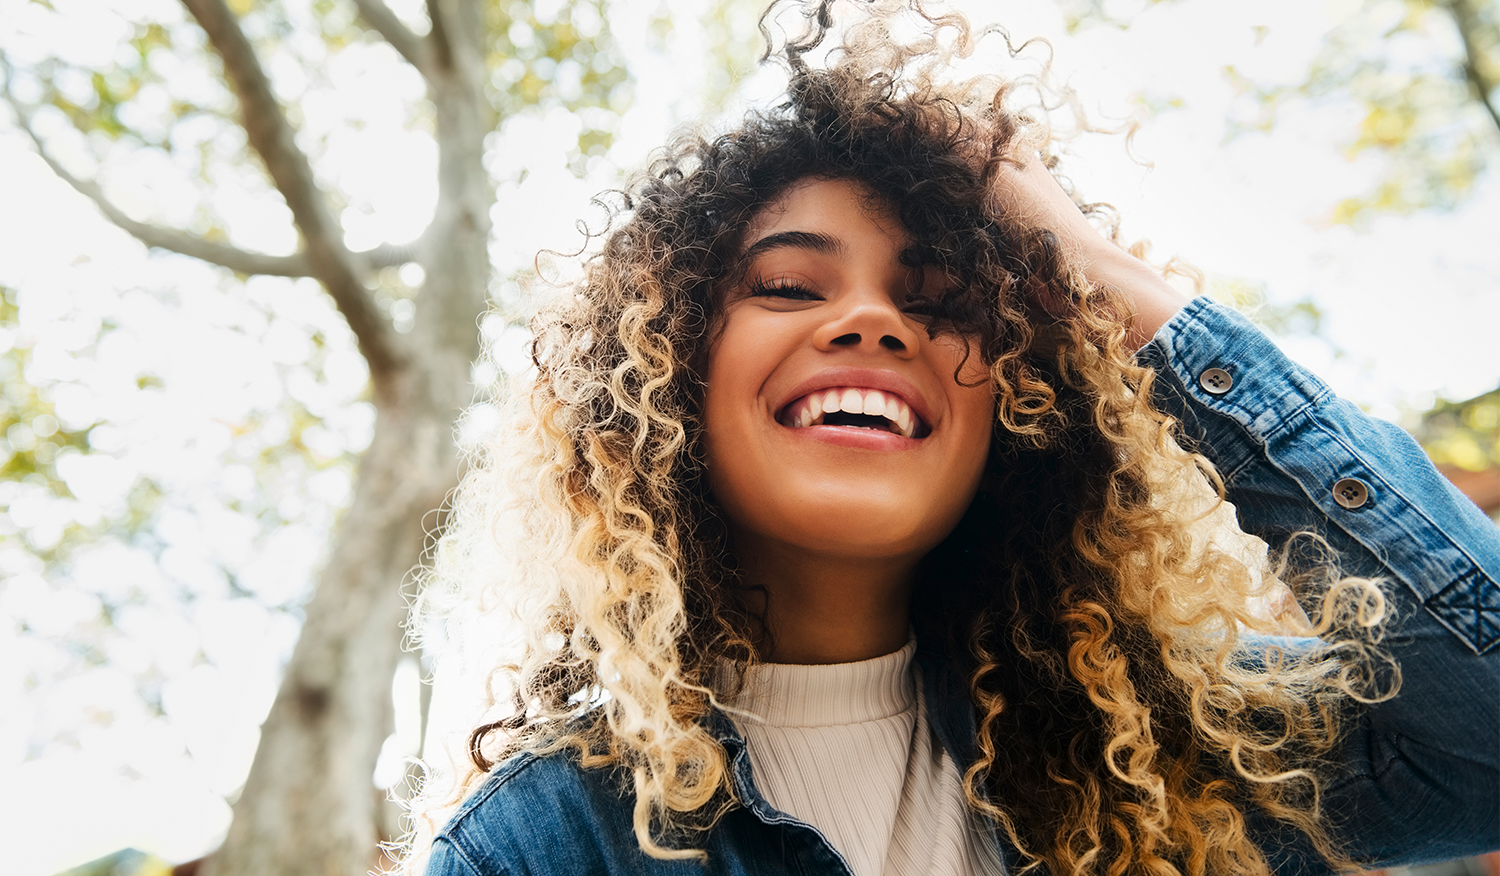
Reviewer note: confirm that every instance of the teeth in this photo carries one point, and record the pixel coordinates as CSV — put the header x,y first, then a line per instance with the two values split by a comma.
x,y
870,402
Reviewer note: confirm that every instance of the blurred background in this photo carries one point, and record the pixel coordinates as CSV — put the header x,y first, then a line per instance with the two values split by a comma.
x,y
249,250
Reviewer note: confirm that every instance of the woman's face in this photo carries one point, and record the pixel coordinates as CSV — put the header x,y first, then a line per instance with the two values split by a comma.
x,y
835,425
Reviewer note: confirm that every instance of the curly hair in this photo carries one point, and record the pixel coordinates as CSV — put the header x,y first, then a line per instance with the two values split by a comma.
x,y
1124,723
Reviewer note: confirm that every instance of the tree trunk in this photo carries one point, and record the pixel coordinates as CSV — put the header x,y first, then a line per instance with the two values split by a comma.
x,y
309,806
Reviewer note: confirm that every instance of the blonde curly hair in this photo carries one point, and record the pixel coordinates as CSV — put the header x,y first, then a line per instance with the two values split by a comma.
x,y
1125,725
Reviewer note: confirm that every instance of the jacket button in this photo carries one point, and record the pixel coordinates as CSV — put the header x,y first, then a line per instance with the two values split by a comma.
x,y
1216,381
1351,493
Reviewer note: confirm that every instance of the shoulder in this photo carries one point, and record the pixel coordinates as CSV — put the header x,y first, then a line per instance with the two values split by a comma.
x,y
548,816
538,814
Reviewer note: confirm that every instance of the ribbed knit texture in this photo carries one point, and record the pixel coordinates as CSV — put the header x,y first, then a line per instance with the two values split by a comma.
x,y
847,748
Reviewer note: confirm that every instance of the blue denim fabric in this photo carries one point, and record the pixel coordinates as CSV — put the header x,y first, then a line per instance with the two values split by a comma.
x,y
1418,777
545,816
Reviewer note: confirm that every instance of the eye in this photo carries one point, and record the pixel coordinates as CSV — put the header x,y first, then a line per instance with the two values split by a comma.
x,y
782,287
922,306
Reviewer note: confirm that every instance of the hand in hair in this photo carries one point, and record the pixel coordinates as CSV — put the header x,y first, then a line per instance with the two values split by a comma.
x,y
1029,192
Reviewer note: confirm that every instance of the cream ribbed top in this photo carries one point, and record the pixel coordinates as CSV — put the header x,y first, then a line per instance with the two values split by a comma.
x,y
847,749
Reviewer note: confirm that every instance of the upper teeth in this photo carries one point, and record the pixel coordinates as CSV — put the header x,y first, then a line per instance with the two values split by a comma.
x,y
810,409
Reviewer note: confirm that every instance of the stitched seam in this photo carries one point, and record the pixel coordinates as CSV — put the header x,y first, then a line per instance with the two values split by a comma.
x,y
1470,584
1199,313
462,853
1412,741
1474,570
1413,507
491,787
1286,420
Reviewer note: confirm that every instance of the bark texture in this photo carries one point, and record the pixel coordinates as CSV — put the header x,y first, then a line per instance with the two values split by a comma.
x,y
309,806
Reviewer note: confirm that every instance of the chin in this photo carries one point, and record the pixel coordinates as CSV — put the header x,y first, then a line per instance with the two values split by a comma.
x,y
868,534
853,518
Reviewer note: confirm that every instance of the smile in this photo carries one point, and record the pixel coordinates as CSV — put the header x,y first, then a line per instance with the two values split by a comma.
x,y
853,406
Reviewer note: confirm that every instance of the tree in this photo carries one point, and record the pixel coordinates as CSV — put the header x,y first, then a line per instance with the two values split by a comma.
x,y
1436,127
308,805
1463,438
1405,96
1465,434
1426,75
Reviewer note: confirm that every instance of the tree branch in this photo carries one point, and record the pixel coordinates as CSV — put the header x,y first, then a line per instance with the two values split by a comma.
x,y
411,47
442,46
1466,18
224,255
272,138
388,255
172,239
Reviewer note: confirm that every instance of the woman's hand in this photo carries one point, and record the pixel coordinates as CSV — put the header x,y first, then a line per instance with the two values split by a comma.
x,y
1031,194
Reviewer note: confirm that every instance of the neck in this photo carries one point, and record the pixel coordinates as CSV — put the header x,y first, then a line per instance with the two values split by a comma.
x,y
823,609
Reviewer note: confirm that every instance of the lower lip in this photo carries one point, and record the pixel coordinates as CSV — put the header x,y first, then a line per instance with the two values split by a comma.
x,y
855,437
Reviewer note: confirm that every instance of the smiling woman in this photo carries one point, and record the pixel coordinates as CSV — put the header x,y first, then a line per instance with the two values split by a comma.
x,y
850,529
843,439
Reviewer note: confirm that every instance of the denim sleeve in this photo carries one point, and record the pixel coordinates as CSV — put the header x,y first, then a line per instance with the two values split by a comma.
x,y
1418,777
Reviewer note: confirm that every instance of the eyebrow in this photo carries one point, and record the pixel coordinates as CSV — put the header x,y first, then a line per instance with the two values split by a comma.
x,y
821,243
809,240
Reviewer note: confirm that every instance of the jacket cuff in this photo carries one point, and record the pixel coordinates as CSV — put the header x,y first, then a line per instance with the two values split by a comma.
x,y
1264,390
1296,457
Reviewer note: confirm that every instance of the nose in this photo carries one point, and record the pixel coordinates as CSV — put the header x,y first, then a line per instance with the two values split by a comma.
x,y
869,319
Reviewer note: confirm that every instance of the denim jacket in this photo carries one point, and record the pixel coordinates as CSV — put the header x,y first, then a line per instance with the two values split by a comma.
x,y
1417,778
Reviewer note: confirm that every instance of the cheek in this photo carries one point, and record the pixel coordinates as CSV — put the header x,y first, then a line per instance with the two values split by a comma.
x,y
973,397
958,358
980,427
729,406
968,380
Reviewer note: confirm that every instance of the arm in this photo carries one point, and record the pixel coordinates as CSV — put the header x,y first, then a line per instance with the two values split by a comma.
x,y
1031,194
1419,777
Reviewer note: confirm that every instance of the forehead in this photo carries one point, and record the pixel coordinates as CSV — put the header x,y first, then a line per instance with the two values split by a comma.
x,y
835,208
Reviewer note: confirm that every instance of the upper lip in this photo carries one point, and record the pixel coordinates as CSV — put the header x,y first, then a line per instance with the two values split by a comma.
x,y
862,378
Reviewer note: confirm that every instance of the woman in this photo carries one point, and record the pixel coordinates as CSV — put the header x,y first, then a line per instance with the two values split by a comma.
x,y
850,529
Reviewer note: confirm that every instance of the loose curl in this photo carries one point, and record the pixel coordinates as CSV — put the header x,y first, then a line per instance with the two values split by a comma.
x,y
1125,725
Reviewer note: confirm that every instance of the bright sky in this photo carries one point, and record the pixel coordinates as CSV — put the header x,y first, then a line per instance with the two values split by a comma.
x,y
1411,303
